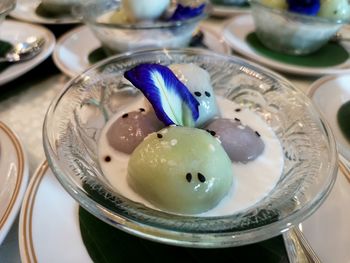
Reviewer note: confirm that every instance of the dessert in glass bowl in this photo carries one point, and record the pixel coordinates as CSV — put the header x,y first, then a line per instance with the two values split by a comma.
x,y
200,160
133,25
298,27
304,159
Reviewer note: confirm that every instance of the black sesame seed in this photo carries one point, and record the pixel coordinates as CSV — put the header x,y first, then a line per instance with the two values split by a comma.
x,y
237,110
257,133
159,135
125,115
197,93
189,177
212,133
207,94
201,177
236,119
142,109
107,159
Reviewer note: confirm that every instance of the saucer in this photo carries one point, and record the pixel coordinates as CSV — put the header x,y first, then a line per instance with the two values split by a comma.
x,y
14,32
72,58
49,222
26,11
327,230
240,27
329,94
59,223
50,230
229,10
13,178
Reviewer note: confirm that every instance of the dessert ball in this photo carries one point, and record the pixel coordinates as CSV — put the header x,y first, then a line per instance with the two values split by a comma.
x,y
138,10
241,143
279,4
336,9
129,130
181,170
197,80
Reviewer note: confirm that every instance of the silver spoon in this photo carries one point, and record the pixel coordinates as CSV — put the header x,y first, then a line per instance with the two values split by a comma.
x,y
299,249
24,50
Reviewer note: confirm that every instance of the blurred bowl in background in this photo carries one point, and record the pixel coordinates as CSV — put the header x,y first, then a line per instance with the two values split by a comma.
x,y
292,33
117,35
6,6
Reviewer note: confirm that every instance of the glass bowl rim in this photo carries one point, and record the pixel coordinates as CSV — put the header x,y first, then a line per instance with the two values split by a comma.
x,y
132,26
190,239
293,15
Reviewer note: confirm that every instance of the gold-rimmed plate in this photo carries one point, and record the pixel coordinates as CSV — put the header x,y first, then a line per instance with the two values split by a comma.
x,y
49,222
238,30
329,94
327,230
13,178
27,10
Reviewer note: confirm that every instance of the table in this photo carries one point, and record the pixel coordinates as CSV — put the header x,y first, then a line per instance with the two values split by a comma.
x,y
23,104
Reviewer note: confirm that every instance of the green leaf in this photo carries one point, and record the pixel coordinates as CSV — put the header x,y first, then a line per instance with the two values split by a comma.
x,y
106,244
4,48
97,55
343,117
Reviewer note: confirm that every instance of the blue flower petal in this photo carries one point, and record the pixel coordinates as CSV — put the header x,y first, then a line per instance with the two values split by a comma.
x,y
172,101
305,7
186,12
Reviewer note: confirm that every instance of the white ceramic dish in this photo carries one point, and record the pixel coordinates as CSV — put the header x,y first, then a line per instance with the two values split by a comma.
x,y
26,10
235,33
71,57
329,94
49,222
227,11
13,32
13,178
327,229
59,223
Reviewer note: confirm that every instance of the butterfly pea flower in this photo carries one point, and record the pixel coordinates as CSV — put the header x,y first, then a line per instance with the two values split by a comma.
x,y
172,102
304,7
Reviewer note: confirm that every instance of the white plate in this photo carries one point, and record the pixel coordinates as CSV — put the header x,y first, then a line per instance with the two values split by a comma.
x,y
49,223
73,48
235,33
329,94
25,10
13,178
327,230
51,233
14,32
225,11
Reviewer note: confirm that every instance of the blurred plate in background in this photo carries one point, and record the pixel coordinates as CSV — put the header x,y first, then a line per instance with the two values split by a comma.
x,y
13,178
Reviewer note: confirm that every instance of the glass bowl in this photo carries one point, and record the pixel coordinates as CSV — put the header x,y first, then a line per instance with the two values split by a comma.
x,y
6,6
117,37
292,33
75,119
